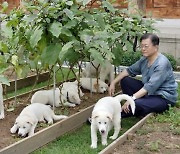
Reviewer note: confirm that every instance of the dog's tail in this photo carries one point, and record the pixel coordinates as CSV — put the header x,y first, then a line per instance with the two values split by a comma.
x,y
59,117
128,98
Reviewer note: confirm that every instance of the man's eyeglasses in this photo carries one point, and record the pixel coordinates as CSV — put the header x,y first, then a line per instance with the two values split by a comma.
x,y
144,46
140,47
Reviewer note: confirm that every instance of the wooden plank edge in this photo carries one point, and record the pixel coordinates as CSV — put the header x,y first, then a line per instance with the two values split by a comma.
x,y
34,90
24,82
23,94
48,134
124,137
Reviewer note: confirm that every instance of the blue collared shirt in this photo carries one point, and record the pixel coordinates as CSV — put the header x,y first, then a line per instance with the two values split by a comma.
x,y
158,79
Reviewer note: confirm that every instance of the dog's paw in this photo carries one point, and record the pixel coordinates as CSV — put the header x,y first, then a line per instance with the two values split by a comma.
x,y
72,105
13,131
93,146
57,105
104,143
82,94
2,116
113,137
50,122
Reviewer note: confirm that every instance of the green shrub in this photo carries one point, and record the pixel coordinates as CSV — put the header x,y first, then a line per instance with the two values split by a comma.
x,y
129,58
172,60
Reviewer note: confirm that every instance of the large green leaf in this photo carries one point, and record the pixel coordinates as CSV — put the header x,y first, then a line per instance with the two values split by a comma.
x,y
51,53
71,56
30,18
67,46
129,46
100,21
4,80
107,5
65,49
3,65
14,60
55,29
71,24
19,71
66,32
86,35
69,13
96,55
42,44
3,47
36,36
6,30
118,52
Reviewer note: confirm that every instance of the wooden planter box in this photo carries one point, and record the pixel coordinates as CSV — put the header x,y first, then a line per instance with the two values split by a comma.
x,y
21,83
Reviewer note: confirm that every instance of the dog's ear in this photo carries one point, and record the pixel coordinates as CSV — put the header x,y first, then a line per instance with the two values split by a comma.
x,y
95,116
74,98
96,86
109,116
30,122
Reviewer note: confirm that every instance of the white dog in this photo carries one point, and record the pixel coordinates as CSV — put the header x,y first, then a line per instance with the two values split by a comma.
x,y
70,91
106,71
1,103
30,116
105,115
99,87
46,97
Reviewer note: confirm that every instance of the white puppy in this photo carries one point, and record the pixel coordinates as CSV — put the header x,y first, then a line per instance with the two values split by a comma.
x,y
30,116
99,87
106,71
1,103
70,91
46,97
105,115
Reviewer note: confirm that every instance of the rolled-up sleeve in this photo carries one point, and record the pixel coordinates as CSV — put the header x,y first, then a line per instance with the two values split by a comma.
x,y
156,80
135,69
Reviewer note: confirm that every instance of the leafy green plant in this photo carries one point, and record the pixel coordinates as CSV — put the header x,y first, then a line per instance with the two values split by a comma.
x,y
129,58
45,33
172,60
154,146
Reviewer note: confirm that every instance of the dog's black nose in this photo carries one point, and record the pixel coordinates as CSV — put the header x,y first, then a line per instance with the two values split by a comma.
x,y
20,135
102,131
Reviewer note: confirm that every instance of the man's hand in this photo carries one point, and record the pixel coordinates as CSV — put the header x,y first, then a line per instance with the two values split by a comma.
x,y
111,89
125,107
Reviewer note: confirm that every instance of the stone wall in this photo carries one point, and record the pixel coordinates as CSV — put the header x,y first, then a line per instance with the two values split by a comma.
x,y
170,43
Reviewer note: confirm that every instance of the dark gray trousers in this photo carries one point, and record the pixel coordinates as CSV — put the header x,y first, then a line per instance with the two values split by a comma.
x,y
146,104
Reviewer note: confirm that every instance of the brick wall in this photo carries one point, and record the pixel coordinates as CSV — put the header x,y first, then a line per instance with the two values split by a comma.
x,y
12,3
